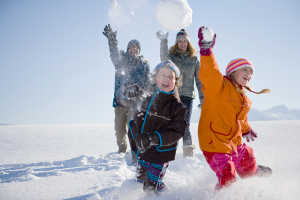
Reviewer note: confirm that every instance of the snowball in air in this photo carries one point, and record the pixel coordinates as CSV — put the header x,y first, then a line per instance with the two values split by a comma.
x,y
173,14
113,3
162,32
208,34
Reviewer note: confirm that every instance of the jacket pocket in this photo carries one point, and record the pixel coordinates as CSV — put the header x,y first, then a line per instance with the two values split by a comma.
x,y
220,128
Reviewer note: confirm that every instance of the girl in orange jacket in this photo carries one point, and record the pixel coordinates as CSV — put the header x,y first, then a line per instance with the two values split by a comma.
x,y
223,120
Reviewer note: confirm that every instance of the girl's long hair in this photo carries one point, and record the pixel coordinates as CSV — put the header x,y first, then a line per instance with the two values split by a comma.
x,y
192,50
242,90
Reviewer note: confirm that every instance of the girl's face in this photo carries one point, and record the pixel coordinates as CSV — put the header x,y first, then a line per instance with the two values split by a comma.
x,y
182,44
243,76
165,79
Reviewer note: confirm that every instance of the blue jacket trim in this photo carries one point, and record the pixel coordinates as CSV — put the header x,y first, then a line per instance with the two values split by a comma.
x,y
160,144
130,128
148,111
121,95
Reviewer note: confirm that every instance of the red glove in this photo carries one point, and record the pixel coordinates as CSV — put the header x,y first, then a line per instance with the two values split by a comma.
x,y
251,134
205,47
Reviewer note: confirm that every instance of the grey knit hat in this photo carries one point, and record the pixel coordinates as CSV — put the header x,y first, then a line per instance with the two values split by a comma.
x,y
182,34
136,42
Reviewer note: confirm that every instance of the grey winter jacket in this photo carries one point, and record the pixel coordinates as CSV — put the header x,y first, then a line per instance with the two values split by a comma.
x,y
128,69
189,68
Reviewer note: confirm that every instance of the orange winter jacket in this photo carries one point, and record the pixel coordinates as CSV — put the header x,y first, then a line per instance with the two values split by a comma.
x,y
224,111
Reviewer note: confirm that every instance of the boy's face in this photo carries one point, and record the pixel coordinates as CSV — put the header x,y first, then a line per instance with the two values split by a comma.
x,y
165,79
134,50
243,76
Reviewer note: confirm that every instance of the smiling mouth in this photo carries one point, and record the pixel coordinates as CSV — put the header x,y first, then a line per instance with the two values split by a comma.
x,y
165,85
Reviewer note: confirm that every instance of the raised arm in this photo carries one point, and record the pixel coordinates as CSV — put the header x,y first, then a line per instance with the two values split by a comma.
x,y
163,45
209,75
113,45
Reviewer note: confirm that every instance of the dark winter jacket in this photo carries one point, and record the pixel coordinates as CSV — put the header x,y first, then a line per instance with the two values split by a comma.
x,y
189,68
164,114
128,69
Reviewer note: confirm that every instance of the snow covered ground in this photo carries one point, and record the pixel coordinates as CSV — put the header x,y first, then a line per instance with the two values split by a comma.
x,y
81,162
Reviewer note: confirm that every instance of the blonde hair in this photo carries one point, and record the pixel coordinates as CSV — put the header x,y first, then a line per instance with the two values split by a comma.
x,y
249,88
192,50
178,81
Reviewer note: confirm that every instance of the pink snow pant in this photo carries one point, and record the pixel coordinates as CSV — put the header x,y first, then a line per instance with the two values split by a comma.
x,y
224,165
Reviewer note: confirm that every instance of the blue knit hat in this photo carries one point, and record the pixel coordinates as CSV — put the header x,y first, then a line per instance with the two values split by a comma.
x,y
170,64
136,42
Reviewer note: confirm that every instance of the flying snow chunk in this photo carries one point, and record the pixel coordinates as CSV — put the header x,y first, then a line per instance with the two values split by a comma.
x,y
113,3
173,14
162,32
208,34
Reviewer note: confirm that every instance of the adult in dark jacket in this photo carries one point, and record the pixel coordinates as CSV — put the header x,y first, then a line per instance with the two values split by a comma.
x,y
183,54
130,69
157,126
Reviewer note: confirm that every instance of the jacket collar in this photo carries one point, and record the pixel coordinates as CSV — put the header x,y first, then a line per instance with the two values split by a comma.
x,y
168,95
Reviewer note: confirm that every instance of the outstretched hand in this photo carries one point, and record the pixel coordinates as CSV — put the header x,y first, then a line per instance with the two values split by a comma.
x,y
162,36
251,134
205,47
131,90
111,36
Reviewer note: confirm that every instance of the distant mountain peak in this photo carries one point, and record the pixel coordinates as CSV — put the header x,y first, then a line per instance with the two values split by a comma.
x,y
280,112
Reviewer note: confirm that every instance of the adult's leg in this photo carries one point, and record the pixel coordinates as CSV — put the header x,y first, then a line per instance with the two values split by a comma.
x,y
129,115
187,148
223,166
188,103
120,128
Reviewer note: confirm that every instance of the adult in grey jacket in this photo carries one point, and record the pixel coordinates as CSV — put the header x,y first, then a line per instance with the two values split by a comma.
x,y
183,54
131,73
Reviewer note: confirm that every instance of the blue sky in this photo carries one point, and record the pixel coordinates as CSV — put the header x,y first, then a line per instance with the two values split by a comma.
x,y
55,66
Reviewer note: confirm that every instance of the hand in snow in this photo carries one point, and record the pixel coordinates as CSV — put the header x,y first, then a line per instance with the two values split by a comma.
x,y
144,141
205,47
162,35
251,134
131,90
111,36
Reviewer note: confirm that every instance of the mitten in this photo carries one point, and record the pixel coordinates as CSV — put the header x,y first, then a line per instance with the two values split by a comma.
x,y
205,47
251,134
131,90
201,103
161,35
145,141
111,36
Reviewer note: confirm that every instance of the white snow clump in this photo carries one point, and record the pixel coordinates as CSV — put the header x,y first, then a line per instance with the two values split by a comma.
x,y
208,34
162,32
173,14
113,3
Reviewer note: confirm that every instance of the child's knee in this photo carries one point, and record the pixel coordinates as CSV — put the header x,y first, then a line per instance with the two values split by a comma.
x,y
247,166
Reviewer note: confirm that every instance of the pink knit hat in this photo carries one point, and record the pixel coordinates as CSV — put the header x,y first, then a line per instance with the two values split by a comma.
x,y
237,64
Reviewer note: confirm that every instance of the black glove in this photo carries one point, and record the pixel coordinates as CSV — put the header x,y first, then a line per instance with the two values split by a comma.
x,y
144,141
111,36
131,90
